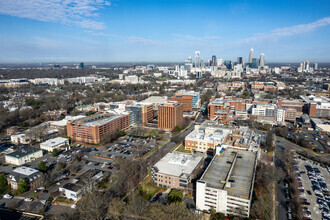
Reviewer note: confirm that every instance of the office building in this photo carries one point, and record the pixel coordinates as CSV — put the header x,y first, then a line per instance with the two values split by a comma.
x,y
227,184
197,59
95,128
23,156
255,63
54,143
176,170
206,137
140,113
170,115
316,66
239,60
262,60
189,99
214,61
33,177
251,55
228,65
81,65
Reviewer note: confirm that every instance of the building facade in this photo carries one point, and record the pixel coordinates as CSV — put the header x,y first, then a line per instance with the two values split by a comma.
x,y
95,128
23,156
170,115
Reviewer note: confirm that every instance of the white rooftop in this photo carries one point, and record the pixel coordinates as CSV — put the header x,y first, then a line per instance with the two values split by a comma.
x,y
66,119
204,134
54,142
25,171
175,163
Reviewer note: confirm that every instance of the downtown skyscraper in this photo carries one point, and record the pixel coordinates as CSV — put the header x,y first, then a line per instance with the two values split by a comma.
x,y
251,55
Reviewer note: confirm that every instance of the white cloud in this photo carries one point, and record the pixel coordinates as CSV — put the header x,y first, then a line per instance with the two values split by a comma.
x,y
195,38
290,31
82,13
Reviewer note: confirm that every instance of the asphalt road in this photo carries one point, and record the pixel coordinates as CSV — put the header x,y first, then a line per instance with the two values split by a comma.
x,y
280,188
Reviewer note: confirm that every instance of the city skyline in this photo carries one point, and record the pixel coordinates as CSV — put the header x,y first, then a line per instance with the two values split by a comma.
x,y
162,31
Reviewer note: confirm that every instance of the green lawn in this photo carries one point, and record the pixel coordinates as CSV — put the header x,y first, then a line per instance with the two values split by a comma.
x,y
181,149
148,188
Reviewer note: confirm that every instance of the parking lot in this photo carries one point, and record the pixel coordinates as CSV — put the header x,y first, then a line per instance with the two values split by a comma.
x,y
312,177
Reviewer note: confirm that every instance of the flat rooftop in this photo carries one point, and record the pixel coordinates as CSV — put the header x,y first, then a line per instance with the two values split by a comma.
x,y
26,171
23,152
54,142
97,119
175,163
155,99
232,172
204,134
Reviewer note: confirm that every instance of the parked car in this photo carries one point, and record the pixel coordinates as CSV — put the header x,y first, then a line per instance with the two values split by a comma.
x,y
7,196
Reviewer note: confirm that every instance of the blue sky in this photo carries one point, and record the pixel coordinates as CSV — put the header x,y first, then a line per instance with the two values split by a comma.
x,y
162,31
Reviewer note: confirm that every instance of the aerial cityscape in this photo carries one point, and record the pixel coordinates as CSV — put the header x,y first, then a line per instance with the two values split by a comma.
x,y
164,109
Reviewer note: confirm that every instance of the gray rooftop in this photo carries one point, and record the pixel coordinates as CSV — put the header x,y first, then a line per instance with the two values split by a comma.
x,y
232,172
23,152
175,163
97,119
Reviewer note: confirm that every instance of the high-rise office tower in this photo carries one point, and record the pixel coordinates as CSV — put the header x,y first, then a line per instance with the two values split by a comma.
x,y
202,65
188,64
255,63
262,60
170,115
81,65
197,59
227,63
239,60
214,61
251,55
316,66
219,62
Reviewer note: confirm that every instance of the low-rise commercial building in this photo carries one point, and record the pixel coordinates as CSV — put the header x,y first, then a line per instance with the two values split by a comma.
x,y
227,184
20,139
23,156
33,177
55,143
95,128
176,170
206,137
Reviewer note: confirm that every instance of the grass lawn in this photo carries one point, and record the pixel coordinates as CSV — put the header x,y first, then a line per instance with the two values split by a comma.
x,y
148,188
64,200
33,195
181,149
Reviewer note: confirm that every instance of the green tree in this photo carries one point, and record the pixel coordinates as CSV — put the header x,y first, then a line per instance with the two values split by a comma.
x,y
3,180
42,167
23,186
175,196
55,153
178,128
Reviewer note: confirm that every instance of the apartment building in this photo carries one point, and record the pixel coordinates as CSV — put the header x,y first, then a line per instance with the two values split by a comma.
x,y
81,185
227,184
206,137
189,99
176,170
170,115
23,156
94,128
33,177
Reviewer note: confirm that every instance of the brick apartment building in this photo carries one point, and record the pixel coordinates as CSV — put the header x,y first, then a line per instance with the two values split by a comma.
x,y
94,128
170,115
